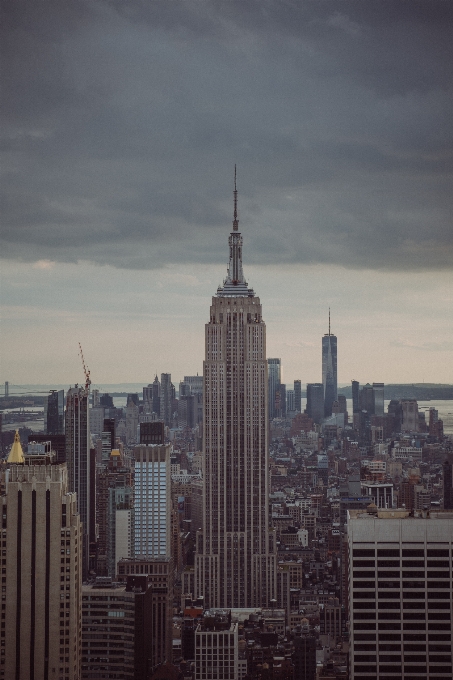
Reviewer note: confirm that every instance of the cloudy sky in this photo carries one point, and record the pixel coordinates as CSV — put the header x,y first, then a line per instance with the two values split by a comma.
x,y
122,122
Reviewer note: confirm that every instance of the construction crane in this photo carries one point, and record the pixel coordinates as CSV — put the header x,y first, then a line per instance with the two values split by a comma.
x,y
85,369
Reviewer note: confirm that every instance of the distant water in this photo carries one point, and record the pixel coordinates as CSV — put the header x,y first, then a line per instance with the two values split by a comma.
x,y
19,390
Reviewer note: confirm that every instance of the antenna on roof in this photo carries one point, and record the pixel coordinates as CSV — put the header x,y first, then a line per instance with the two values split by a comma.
x,y
235,213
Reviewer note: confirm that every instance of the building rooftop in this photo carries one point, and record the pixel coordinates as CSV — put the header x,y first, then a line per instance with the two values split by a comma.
x,y
399,513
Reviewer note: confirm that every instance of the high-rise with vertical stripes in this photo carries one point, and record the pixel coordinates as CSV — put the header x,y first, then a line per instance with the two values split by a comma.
x,y
41,541
236,552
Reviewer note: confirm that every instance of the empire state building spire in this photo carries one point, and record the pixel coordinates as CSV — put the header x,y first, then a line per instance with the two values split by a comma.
x,y
235,283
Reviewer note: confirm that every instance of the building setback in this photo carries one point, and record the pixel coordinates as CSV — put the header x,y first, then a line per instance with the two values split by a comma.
x,y
41,582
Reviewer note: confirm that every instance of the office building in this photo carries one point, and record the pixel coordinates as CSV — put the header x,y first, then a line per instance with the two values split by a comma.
x,y
355,396
333,620
166,388
281,401
132,412
298,396
158,572
400,583
106,401
77,435
121,650
109,427
378,390
315,402
235,564
195,383
216,646
41,581
290,401
410,415
329,370
55,412
114,514
152,491
304,657
274,378
153,395
447,469
366,401
96,420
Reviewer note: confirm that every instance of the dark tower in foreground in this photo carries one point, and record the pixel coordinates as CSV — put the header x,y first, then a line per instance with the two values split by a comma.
x,y
329,370
77,433
236,558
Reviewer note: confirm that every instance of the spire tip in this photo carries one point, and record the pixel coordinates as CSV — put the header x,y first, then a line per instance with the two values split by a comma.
x,y
235,213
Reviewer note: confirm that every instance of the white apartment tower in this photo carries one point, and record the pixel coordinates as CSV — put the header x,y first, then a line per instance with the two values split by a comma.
x,y
236,551
152,501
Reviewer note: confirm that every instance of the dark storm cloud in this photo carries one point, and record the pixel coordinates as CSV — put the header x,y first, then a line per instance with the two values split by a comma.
x,y
122,122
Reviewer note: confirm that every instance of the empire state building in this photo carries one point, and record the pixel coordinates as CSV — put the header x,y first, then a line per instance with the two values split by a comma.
x,y
235,564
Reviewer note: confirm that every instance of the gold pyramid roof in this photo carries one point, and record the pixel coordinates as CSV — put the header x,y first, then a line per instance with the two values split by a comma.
x,y
16,455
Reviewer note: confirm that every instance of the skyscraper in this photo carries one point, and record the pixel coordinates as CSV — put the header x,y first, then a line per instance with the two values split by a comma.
x,y
298,395
274,372
41,582
378,389
290,401
400,594
355,396
235,564
77,434
329,370
152,501
315,401
55,412
166,398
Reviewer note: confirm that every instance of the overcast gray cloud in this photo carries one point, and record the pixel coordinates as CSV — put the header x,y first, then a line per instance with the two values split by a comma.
x,y
122,122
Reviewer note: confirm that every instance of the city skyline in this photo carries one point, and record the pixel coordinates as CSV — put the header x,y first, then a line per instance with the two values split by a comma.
x,y
123,123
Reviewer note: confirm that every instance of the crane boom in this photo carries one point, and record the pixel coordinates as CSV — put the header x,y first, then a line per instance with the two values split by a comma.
x,y
85,369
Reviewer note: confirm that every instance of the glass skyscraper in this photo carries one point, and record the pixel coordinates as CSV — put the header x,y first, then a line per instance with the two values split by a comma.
x,y
329,370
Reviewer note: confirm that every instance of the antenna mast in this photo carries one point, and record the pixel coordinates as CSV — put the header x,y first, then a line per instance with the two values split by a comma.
x,y
235,193
85,369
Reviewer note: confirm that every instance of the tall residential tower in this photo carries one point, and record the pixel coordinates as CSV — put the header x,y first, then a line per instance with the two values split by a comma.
x,y
236,558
